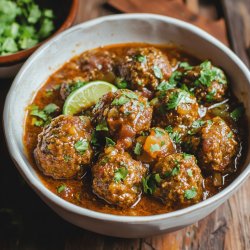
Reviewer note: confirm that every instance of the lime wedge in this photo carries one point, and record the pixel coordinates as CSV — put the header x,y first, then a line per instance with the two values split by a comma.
x,y
86,96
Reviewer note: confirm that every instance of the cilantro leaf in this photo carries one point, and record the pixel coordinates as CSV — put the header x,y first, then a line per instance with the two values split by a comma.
x,y
121,83
102,126
148,184
155,147
177,98
94,140
175,170
50,108
157,72
190,172
109,142
190,193
138,148
165,85
157,178
61,188
237,113
141,58
81,146
158,132
120,174
120,101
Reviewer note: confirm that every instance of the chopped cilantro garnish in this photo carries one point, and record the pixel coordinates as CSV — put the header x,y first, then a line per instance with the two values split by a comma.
x,y
185,65
164,85
102,126
130,95
210,95
198,123
120,174
190,193
61,188
177,98
190,172
237,113
67,158
175,78
44,115
186,156
94,140
109,142
51,108
155,147
76,85
169,129
120,101
138,148
230,134
148,184
158,132
176,170
157,178
157,72
176,137
23,25
141,58
121,83
209,73
81,146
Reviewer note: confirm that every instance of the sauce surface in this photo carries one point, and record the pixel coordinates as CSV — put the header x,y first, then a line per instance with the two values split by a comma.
x,y
79,190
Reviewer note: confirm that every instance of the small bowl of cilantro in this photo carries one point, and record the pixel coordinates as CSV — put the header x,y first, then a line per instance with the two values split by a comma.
x,y
26,24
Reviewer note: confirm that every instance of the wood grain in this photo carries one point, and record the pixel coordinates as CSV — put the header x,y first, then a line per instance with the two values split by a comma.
x,y
237,14
173,8
226,228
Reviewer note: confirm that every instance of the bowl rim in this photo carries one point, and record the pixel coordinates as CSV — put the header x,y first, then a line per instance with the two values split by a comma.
x,y
21,55
18,156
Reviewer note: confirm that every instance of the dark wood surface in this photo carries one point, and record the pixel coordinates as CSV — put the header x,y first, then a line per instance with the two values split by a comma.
x,y
27,223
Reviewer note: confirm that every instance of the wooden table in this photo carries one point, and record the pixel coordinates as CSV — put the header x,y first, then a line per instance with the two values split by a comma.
x,y
27,223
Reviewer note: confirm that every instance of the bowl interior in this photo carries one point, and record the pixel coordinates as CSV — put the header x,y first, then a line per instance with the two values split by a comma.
x,y
111,30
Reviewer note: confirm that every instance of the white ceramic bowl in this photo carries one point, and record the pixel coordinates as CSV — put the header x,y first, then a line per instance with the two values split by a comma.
x,y
112,30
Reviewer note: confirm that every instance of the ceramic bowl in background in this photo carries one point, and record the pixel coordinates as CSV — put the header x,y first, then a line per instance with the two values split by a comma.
x,y
112,30
65,14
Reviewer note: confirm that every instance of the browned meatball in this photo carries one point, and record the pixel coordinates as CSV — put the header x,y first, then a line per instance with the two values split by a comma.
x,y
94,65
117,178
208,83
175,107
98,64
123,114
178,180
144,68
155,145
63,147
215,145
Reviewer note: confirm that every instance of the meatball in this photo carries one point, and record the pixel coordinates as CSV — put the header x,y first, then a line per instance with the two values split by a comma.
x,y
94,65
117,178
178,180
123,114
98,65
215,145
208,83
155,145
63,147
144,68
175,107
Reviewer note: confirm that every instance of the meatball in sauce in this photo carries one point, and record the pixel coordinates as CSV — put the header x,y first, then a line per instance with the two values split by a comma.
x,y
169,135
